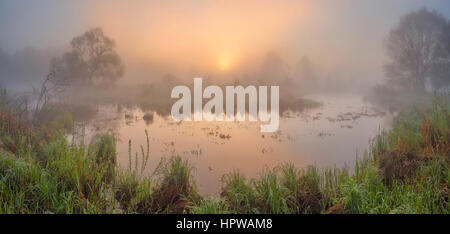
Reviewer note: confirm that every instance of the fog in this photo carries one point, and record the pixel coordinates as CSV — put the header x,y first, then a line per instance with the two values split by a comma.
x,y
223,40
345,70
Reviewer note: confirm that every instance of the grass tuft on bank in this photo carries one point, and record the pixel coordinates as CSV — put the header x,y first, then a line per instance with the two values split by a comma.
x,y
405,170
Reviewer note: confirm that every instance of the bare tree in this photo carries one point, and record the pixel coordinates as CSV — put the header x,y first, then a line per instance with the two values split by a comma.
x,y
92,61
53,85
415,49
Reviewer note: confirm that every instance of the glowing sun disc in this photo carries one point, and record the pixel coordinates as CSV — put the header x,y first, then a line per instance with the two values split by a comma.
x,y
225,63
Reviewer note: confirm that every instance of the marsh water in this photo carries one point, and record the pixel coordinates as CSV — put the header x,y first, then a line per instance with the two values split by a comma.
x,y
333,134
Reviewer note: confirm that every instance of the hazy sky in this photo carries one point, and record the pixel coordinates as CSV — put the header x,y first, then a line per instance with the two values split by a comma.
x,y
341,35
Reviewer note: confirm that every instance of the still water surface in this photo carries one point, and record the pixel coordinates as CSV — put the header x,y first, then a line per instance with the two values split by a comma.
x,y
334,134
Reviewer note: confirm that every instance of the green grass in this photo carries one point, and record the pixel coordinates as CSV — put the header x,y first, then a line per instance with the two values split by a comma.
x,y
238,193
405,170
211,205
69,181
270,195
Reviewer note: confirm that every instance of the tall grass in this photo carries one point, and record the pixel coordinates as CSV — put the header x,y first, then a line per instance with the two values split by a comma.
x,y
211,205
270,194
405,170
238,193
68,181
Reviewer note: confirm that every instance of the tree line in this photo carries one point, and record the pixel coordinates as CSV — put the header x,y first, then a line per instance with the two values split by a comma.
x,y
418,49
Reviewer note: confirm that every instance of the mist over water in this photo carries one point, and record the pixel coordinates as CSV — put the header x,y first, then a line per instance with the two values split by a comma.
x,y
333,134
222,40
326,56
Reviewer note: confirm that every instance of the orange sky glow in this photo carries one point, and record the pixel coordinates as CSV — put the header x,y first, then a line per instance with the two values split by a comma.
x,y
212,34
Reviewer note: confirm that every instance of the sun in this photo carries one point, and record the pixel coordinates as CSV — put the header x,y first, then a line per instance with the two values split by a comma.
x,y
225,63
